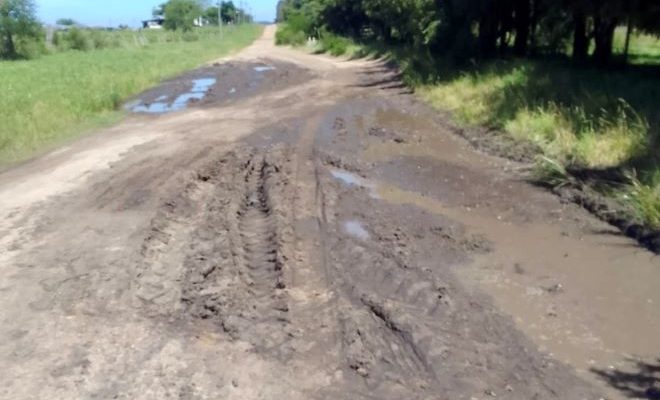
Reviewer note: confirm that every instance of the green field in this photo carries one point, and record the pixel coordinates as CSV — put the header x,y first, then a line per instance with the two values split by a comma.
x,y
61,95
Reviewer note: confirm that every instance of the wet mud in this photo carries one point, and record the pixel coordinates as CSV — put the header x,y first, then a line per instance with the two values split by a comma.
x,y
327,236
217,84
401,325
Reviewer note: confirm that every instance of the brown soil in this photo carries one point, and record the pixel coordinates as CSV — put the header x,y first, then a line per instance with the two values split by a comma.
x,y
325,236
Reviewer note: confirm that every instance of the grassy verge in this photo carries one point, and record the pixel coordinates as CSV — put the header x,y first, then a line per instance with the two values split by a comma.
x,y
58,96
581,118
603,124
290,34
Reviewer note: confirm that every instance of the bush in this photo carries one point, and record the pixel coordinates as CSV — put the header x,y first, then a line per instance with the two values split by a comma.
x,y
30,48
76,39
287,35
335,45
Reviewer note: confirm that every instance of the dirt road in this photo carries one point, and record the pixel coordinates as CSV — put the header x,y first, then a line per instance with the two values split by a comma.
x,y
309,230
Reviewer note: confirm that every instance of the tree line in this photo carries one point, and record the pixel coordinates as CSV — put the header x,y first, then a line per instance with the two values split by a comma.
x,y
22,35
181,14
470,29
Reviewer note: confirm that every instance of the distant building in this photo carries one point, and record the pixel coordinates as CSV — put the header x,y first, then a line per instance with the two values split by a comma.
x,y
156,23
200,21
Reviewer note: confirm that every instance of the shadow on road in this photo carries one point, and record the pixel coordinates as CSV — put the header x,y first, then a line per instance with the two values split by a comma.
x,y
642,383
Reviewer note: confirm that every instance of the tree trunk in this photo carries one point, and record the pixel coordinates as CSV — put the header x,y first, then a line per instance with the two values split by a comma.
x,y
8,49
521,22
604,38
580,40
506,24
488,24
503,41
533,25
626,48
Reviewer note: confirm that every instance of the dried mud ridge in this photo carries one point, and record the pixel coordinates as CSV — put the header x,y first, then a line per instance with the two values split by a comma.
x,y
396,324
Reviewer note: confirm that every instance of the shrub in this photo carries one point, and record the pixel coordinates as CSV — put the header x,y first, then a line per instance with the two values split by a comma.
x,y
30,48
287,35
335,45
76,39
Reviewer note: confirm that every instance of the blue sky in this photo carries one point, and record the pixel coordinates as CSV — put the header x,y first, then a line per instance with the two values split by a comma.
x,y
129,12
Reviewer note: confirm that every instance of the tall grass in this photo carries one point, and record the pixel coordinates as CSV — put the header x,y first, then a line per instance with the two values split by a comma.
x,y
581,118
54,97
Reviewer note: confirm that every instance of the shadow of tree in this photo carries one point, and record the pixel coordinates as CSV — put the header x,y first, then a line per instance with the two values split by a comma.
x,y
642,383
587,96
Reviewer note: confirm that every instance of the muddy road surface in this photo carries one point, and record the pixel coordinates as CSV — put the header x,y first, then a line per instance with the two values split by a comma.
x,y
301,227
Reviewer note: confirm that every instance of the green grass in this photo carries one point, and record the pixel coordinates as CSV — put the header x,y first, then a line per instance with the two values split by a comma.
x,y
58,96
644,49
581,118
291,35
644,198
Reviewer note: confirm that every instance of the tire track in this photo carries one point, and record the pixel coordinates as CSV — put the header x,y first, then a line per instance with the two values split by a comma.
x,y
230,225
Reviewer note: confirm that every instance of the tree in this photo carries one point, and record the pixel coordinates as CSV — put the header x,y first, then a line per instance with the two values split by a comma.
x,y
607,16
158,11
228,11
522,12
66,22
467,30
211,15
181,14
17,22
281,4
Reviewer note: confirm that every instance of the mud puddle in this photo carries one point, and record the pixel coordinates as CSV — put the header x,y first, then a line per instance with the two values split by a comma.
x,y
198,91
349,179
264,68
216,85
584,294
579,297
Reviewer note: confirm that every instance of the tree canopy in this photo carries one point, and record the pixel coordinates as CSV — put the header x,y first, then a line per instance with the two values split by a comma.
x,y
228,11
18,24
66,22
181,14
467,29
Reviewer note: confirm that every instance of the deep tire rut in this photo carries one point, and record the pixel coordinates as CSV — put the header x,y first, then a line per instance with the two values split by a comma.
x,y
230,224
258,231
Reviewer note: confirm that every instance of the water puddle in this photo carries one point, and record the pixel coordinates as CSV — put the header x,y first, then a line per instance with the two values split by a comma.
x,y
355,229
197,92
570,294
264,68
153,108
349,179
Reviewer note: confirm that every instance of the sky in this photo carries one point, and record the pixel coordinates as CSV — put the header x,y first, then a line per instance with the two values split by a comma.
x,y
127,12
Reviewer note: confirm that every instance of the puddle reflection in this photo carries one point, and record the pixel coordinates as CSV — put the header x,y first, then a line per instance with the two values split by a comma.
x,y
197,92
